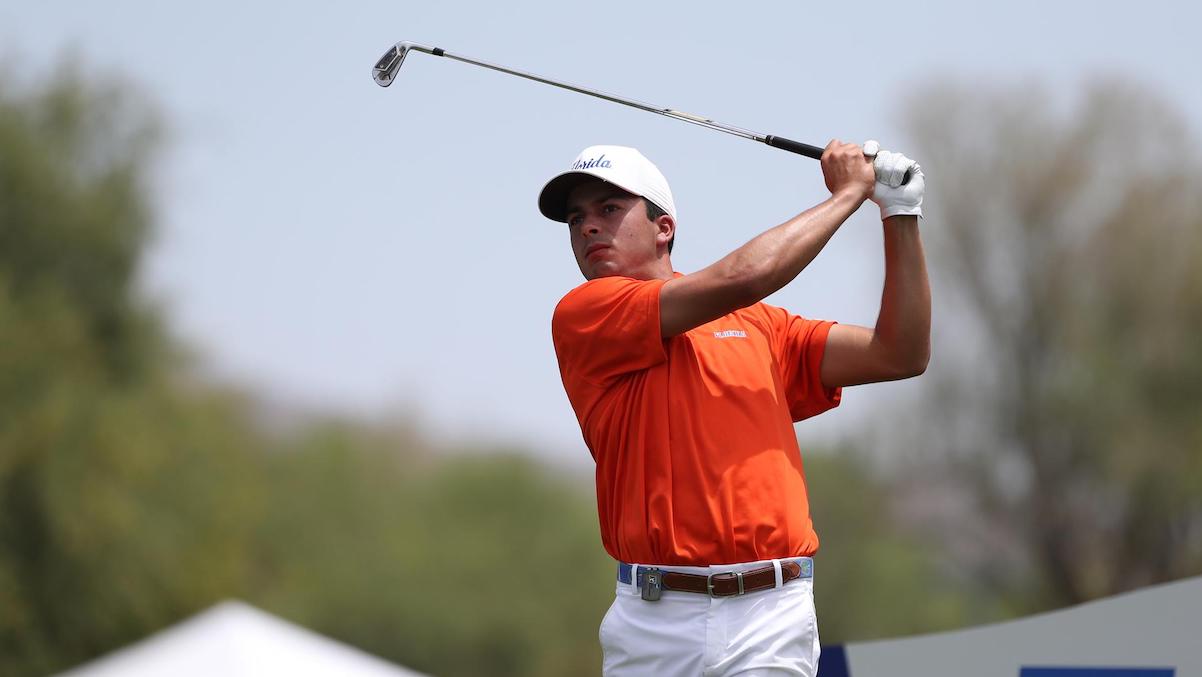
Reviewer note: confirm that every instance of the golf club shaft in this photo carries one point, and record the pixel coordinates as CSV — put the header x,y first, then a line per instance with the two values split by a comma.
x,y
774,141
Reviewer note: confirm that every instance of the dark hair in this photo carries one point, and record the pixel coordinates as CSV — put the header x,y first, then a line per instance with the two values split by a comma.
x,y
653,213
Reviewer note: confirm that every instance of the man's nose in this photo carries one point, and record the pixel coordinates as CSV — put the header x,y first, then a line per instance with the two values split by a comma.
x,y
588,227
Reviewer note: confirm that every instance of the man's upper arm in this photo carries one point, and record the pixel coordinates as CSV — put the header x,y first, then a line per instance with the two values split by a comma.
x,y
855,356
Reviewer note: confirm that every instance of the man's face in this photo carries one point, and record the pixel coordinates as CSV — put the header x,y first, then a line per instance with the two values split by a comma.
x,y
611,234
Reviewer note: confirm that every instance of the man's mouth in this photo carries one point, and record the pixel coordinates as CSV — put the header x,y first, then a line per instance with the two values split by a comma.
x,y
593,249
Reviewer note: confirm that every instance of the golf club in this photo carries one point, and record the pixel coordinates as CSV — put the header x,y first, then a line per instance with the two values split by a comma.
x,y
386,69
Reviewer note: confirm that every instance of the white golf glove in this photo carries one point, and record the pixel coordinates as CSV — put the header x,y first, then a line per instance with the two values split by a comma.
x,y
891,168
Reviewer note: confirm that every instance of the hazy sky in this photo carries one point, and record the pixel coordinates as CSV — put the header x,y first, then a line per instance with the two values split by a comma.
x,y
376,251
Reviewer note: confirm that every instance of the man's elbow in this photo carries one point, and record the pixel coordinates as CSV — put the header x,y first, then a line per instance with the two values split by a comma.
x,y
910,362
915,362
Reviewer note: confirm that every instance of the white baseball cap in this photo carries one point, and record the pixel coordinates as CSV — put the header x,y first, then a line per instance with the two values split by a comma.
x,y
622,166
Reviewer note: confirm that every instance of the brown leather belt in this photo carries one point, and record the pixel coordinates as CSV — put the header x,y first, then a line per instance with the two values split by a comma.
x,y
726,584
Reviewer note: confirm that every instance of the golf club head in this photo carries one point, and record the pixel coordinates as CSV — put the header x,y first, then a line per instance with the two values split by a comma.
x,y
385,70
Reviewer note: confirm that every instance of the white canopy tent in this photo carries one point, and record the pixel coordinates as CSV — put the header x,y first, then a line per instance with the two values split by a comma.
x,y
234,639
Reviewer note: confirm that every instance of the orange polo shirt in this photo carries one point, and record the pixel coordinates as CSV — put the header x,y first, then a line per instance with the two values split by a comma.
x,y
697,460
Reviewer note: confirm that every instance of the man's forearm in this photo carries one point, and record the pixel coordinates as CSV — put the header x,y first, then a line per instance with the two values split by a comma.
x,y
772,259
775,257
904,324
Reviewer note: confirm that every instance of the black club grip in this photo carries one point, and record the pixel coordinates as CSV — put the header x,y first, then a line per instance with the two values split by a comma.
x,y
794,146
805,149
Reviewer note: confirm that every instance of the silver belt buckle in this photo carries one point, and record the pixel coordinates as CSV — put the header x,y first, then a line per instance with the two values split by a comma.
x,y
709,583
652,587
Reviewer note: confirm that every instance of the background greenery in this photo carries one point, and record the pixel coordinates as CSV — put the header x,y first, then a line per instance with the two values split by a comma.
x,y
1057,458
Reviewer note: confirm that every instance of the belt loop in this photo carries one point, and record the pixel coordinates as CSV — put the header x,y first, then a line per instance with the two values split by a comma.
x,y
634,577
780,579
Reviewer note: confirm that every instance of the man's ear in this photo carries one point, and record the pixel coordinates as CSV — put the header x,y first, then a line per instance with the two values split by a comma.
x,y
665,229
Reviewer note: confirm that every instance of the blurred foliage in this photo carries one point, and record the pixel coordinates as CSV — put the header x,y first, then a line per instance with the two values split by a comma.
x,y
1065,442
874,577
133,494
467,565
107,464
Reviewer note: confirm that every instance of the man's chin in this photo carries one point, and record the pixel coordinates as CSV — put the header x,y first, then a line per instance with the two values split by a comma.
x,y
604,269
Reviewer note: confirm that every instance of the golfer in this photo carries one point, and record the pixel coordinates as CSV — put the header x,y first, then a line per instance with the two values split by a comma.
x,y
686,388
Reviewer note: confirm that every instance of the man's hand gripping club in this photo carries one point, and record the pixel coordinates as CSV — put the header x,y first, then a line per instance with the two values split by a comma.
x,y
893,193
773,258
895,182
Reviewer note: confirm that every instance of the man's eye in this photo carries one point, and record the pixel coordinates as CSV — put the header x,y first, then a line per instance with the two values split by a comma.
x,y
574,221
611,208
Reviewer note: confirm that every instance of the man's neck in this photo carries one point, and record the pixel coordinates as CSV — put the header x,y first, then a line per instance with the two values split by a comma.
x,y
660,269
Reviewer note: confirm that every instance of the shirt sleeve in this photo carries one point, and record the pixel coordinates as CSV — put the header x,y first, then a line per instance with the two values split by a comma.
x,y
800,344
608,327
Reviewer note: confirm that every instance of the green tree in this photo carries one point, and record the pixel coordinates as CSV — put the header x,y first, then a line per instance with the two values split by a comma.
x,y
876,577
134,493
468,565
109,527
1066,240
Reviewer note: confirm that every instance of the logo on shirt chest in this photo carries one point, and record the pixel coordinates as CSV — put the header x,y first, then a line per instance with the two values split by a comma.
x,y
730,333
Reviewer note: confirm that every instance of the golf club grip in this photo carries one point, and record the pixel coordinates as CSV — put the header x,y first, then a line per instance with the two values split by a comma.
x,y
794,146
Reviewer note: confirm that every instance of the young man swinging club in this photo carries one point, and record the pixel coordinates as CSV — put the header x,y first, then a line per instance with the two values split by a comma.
x,y
686,388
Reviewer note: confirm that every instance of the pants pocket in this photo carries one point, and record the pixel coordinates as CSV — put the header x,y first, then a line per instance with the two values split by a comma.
x,y
606,621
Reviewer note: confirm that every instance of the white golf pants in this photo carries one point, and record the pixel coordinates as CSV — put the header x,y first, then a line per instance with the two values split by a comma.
x,y
686,634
